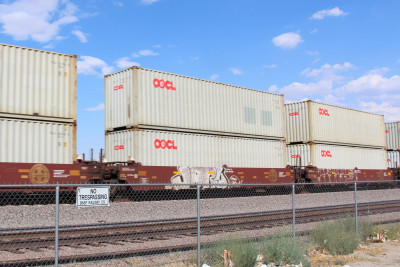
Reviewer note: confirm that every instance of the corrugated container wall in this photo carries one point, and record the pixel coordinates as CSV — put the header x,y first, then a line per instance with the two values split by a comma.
x,y
37,141
38,83
325,156
162,148
393,135
158,100
394,159
310,121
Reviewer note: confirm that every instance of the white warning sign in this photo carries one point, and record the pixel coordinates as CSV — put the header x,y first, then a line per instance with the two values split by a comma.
x,y
93,196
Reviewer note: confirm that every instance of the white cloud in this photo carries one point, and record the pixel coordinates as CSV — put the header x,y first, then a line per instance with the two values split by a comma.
x,y
328,72
145,53
214,77
48,46
313,53
124,63
380,71
371,83
391,113
273,88
287,40
236,71
81,36
313,31
96,108
272,66
36,19
148,2
93,66
300,90
334,12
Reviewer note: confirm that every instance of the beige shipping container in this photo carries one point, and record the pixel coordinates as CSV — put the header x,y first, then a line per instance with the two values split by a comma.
x,y
394,159
37,83
29,141
393,135
325,156
163,148
310,121
144,98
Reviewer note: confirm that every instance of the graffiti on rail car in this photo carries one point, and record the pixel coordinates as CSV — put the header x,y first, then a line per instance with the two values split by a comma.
x,y
204,175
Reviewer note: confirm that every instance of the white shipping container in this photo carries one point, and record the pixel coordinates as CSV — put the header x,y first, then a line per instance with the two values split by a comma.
x,y
394,159
158,100
325,156
393,135
30,141
162,148
310,121
38,83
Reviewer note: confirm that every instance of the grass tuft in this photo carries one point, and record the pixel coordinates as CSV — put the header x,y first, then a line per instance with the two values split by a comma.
x,y
281,250
339,237
243,253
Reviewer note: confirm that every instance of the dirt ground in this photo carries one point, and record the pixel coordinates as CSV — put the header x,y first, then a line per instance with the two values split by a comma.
x,y
371,254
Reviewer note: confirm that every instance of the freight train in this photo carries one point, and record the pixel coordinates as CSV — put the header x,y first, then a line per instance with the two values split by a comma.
x,y
163,128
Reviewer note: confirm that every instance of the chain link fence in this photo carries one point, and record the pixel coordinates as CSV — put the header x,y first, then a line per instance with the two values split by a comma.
x,y
142,225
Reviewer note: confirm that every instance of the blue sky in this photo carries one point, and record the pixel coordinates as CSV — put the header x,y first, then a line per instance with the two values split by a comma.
x,y
345,53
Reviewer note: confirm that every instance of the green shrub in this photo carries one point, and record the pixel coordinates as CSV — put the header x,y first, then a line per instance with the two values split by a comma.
x,y
280,249
393,232
243,253
338,237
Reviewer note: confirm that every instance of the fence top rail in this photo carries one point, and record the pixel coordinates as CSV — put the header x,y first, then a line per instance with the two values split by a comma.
x,y
193,184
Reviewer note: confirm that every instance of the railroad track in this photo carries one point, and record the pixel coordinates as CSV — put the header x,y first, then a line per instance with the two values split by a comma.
x,y
19,240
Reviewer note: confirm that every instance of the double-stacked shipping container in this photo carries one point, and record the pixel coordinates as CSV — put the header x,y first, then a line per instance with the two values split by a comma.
x,y
393,143
164,119
331,137
37,106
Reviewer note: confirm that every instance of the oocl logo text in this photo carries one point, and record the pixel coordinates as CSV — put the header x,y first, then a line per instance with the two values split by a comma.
x,y
294,113
323,112
120,147
296,156
164,84
118,87
163,144
326,154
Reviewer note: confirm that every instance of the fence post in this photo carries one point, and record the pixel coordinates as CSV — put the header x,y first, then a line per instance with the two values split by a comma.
x,y
355,205
57,223
294,214
198,226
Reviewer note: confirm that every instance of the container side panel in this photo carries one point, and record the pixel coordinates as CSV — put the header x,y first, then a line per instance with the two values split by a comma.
x,y
119,99
160,148
338,125
297,124
393,135
394,159
299,155
347,157
172,101
37,141
37,83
